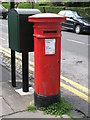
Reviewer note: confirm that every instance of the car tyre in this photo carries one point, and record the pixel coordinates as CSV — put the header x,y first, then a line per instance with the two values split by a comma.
x,y
77,29
4,16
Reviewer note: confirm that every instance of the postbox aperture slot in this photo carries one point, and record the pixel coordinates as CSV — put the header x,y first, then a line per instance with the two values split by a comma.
x,y
54,31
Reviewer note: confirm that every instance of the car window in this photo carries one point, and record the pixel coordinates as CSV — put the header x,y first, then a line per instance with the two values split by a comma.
x,y
62,12
77,15
69,14
1,7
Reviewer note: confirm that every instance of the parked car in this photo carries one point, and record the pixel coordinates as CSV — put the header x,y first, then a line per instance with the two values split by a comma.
x,y
3,11
75,22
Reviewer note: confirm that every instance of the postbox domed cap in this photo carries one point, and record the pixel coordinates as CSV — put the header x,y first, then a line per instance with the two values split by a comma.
x,y
47,17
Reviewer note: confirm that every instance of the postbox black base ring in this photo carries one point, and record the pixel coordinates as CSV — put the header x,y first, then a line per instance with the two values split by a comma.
x,y
45,101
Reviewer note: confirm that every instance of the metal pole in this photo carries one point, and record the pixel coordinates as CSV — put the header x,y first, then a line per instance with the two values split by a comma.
x,y
32,4
11,4
13,75
25,71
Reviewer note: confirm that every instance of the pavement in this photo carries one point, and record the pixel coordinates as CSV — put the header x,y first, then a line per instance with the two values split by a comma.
x,y
14,103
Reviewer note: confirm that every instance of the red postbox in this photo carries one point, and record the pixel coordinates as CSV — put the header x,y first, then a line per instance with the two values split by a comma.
x,y
47,54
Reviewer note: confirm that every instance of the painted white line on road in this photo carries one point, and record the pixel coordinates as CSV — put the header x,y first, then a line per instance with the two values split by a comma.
x,y
2,38
75,41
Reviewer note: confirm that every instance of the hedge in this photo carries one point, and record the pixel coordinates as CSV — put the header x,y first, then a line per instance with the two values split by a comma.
x,y
24,5
84,11
6,5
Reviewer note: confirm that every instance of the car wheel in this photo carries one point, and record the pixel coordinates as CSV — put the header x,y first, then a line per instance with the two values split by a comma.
x,y
78,29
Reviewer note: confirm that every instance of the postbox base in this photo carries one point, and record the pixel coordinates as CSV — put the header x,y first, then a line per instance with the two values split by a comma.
x,y
45,101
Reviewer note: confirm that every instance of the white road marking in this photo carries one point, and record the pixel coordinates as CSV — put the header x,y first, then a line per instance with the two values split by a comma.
x,y
2,38
75,41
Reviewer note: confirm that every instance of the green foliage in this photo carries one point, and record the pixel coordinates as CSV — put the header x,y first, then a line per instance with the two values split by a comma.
x,y
75,4
31,108
49,7
6,5
25,5
43,3
53,9
84,12
56,3
58,109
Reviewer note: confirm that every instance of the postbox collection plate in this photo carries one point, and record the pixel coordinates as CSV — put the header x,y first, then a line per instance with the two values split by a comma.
x,y
50,46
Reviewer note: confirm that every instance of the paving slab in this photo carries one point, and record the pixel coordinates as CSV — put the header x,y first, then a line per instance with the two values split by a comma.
x,y
4,107
27,114
40,114
15,100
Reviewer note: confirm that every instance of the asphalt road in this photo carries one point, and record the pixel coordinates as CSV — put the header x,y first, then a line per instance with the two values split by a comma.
x,y
76,44
74,62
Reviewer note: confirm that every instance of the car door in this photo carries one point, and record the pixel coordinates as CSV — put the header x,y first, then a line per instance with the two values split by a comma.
x,y
69,20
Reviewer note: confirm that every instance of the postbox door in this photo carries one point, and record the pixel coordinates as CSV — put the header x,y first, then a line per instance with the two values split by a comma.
x,y
47,66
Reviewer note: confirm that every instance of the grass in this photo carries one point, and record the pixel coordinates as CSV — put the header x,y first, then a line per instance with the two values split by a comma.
x,y
31,108
57,109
